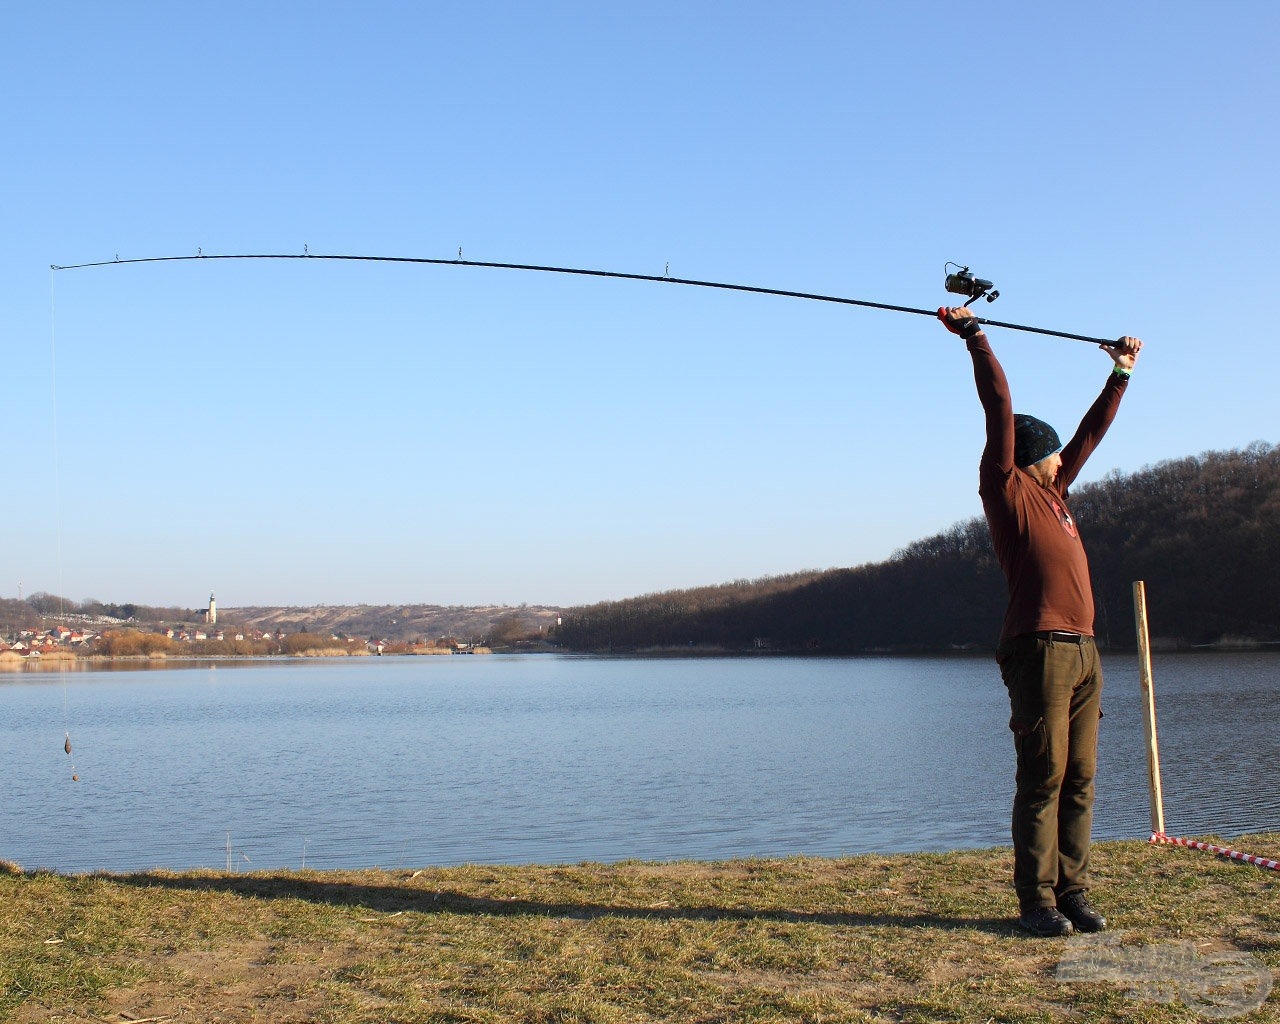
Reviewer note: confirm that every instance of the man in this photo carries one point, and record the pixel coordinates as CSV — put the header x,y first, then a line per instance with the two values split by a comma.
x,y
1047,655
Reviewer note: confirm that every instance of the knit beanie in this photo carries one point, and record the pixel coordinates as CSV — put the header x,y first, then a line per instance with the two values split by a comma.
x,y
1033,440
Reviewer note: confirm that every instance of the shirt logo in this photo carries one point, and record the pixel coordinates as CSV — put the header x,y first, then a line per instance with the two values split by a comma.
x,y
1064,517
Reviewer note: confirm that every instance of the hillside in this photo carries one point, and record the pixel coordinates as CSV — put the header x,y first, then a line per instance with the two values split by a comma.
x,y
495,624
1203,532
398,622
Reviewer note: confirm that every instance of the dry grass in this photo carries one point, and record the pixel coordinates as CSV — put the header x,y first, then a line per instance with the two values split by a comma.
x,y
866,939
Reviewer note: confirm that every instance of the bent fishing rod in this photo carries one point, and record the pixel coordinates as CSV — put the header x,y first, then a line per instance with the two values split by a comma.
x,y
960,282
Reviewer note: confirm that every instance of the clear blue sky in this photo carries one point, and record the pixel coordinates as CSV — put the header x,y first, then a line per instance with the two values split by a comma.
x,y
302,433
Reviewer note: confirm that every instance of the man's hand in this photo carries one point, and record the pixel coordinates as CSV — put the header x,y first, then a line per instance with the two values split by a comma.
x,y
1124,352
959,320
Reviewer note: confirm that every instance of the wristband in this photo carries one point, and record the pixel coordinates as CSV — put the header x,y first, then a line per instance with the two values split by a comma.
x,y
1121,372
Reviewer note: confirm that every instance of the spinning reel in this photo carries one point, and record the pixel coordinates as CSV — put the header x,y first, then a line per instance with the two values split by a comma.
x,y
962,282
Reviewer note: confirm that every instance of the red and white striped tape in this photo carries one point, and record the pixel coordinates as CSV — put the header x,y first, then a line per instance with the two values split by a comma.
x,y
1248,858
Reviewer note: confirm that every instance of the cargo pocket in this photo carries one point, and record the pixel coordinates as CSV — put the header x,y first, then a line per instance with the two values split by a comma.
x,y
1030,740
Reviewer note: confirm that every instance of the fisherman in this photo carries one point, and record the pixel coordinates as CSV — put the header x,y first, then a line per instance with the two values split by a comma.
x,y
1047,655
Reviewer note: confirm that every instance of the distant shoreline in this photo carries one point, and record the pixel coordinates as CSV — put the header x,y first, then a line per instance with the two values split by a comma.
x,y
11,660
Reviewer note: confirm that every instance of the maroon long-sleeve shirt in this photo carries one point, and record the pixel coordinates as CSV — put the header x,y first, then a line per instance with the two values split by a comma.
x,y
1034,533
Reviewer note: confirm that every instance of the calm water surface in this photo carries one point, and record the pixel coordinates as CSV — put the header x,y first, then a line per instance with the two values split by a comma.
x,y
519,759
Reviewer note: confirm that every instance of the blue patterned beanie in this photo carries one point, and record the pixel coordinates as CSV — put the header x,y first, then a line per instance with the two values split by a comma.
x,y
1033,440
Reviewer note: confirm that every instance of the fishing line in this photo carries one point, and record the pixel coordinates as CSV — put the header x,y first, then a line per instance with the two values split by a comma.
x,y
962,282
664,278
57,504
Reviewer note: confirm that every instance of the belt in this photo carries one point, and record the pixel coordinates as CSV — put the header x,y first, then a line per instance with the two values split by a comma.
x,y
1061,637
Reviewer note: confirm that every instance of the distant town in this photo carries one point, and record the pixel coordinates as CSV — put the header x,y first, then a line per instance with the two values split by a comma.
x,y
63,642
78,635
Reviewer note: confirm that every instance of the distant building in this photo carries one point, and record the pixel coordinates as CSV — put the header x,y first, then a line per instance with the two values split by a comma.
x,y
211,616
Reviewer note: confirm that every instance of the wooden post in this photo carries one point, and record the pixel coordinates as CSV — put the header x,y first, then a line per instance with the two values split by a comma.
x,y
1149,707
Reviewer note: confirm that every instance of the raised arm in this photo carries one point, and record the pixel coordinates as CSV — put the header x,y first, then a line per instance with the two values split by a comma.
x,y
1124,354
993,387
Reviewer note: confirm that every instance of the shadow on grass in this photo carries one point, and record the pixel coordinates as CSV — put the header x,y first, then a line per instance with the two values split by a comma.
x,y
399,899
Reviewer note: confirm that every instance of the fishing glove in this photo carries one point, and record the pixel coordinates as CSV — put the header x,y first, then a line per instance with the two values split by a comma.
x,y
966,328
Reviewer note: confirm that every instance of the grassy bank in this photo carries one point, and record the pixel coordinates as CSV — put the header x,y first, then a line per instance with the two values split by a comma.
x,y
868,939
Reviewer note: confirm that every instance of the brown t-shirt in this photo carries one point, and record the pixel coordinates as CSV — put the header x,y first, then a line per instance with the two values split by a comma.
x,y
1034,533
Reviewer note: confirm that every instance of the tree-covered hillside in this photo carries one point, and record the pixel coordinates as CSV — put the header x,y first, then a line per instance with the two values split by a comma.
x,y
1203,532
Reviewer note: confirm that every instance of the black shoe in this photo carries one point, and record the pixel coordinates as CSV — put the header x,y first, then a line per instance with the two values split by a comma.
x,y
1081,913
1047,922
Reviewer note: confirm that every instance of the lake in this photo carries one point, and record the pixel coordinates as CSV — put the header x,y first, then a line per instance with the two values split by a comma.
x,y
408,762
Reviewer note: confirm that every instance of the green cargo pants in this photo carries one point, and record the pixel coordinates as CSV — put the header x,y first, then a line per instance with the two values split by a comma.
x,y
1055,694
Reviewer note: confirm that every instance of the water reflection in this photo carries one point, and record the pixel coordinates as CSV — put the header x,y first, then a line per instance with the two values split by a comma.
x,y
36,669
